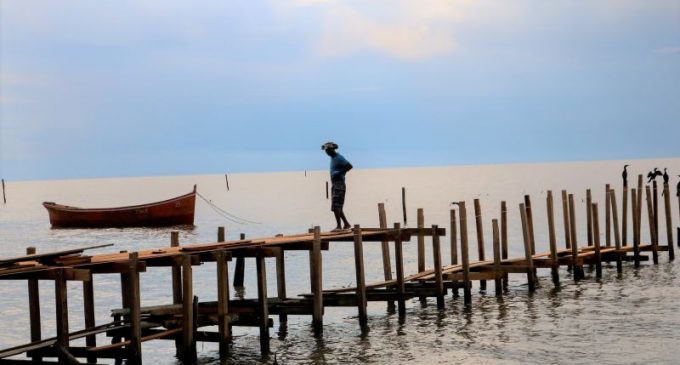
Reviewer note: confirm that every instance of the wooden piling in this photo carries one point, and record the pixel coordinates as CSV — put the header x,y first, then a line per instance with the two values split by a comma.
x,y
527,249
4,199
387,265
223,328
188,351
607,217
596,239
589,217
437,260
504,239
361,279
227,180
263,303
655,204
61,300
454,244
554,270
669,222
636,237
176,272
421,245
617,236
281,282
34,307
567,225
399,262
239,270
652,225
498,285
480,238
465,255
317,284
578,269
88,313
624,217
403,205
530,223
220,234
135,348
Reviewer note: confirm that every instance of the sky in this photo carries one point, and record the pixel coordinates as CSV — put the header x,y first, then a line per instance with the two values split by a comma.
x,y
153,88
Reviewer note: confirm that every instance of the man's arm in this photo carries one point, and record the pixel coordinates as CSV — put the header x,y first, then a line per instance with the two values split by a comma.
x,y
347,167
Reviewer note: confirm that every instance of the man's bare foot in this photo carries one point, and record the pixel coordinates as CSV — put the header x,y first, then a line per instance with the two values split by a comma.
x,y
337,229
346,227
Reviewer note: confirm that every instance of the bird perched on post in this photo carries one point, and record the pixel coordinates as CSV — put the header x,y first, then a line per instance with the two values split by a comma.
x,y
665,175
652,175
624,175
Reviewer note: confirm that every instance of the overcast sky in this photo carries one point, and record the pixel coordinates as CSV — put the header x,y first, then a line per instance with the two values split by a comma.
x,y
166,87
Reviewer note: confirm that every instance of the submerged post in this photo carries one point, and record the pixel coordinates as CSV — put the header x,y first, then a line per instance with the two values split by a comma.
x,y
188,341
317,290
530,223
578,269
624,217
223,329
60,296
437,259
465,256
567,224
239,270
617,237
607,217
504,239
454,240
281,281
135,354
34,307
387,265
589,217
527,249
669,222
596,236
652,225
554,270
361,280
636,238
480,238
176,285
262,302
421,245
399,262
498,285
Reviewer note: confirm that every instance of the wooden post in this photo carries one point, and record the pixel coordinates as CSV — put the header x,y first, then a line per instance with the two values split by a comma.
x,y
387,265
465,256
188,343
437,259
263,303
239,270
636,238
567,225
596,236
530,223
578,269
176,272
498,285
223,328
655,195
480,238
34,307
607,217
326,190
669,222
220,234
624,217
639,207
554,270
315,272
403,204
361,280
617,237
421,245
454,246
504,240
589,217
652,225
4,199
135,354
88,312
60,296
281,282
226,178
527,249
399,262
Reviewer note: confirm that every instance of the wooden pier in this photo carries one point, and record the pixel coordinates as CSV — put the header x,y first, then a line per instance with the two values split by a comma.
x,y
180,321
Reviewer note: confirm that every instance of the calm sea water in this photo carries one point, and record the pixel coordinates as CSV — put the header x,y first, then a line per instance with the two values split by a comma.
x,y
628,319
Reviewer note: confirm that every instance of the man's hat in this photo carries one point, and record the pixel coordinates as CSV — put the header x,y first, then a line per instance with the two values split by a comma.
x,y
329,145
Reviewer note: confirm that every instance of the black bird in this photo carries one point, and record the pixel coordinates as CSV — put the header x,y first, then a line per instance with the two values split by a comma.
x,y
665,176
653,174
624,175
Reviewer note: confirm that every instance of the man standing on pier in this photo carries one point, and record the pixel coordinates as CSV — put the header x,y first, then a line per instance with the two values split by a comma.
x,y
339,167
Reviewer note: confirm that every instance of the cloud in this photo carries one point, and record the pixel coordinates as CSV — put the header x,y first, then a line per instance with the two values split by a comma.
x,y
402,29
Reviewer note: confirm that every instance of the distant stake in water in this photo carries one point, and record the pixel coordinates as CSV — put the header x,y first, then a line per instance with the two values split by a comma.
x,y
3,192
227,180
403,204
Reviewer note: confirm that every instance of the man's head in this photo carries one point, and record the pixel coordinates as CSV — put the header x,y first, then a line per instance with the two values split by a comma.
x,y
329,148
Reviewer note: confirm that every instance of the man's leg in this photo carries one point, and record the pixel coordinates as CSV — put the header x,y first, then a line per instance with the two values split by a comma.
x,y
344,219
337,213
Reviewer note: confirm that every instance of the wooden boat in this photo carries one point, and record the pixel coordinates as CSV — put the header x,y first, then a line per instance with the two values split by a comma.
x,y
175,211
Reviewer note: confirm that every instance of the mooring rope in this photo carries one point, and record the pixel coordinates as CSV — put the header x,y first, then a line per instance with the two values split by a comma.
x,y
231,217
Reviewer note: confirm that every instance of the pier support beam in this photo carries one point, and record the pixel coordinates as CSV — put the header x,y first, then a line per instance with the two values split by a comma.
x,y
465,255
61,300
578,268
421,246
669,222
596,237
527,249
480,238
316,281
617,237
399,262
133,294
384,244
652,224
555,266
223,327
498,285
504,240
188,341
263,303
360,278
437,258
34,307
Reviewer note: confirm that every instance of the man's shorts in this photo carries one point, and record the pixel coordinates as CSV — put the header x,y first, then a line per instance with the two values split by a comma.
x,y
338,195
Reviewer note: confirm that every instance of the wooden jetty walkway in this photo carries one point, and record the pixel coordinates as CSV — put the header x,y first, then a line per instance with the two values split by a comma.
x,y
179,321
